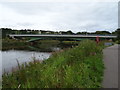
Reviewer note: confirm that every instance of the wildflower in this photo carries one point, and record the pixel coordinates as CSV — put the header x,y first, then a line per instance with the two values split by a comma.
x,y
19,85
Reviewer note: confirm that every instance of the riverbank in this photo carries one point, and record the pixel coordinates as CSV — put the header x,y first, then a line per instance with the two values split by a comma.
x,y
9,44
78,67
41,45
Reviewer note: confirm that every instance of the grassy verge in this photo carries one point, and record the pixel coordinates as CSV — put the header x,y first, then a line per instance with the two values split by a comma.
x,y
79,67
118,41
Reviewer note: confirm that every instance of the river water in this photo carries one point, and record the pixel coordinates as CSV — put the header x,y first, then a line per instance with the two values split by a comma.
x,y
9,58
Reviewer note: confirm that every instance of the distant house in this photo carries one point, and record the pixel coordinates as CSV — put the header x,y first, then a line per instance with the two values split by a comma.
x,y
39,32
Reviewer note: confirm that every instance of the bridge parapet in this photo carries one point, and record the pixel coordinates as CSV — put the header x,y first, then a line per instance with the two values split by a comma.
x,y
61,36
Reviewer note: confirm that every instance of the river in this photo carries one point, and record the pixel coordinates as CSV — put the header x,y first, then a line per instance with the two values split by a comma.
x,y
9,58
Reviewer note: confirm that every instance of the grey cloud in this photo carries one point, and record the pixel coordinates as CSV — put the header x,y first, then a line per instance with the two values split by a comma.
x,y
75,16
25,24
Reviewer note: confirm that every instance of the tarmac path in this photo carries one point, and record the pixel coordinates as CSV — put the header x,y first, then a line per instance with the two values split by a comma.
x,y
110,79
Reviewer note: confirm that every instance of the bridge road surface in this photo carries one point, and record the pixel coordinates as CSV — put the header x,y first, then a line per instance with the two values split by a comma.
x,y
110,79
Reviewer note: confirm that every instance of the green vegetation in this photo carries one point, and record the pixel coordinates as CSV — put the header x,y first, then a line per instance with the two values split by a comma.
x,y
78,67
7,31
40,45
118,41
8,44
118,36
43,46
118,33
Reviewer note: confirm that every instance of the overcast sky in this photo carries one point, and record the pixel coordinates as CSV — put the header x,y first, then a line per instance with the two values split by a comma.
x,y
80,16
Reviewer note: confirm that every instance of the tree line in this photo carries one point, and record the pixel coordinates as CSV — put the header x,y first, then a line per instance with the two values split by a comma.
x,y
6,31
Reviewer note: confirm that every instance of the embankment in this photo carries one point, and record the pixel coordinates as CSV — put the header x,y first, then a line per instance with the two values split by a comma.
x,y
78,67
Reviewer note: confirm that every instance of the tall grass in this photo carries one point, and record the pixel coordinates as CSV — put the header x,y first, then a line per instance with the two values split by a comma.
x,y
79,67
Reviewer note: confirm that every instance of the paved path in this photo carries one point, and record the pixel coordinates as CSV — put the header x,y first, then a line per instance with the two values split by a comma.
x,y
110,79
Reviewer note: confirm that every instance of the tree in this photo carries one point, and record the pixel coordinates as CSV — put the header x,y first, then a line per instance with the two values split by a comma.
x,y
118,33
102,32
70,32
78,33
63,32
114,32
5,32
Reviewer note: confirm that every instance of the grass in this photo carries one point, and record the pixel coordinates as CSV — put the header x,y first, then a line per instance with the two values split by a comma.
x,y
78,67
118,41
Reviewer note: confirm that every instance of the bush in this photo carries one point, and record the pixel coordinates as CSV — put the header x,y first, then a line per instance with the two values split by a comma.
x,y
118,41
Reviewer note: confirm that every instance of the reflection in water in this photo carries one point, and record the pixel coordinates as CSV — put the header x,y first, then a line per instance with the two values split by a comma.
x,y
55,48
9,58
